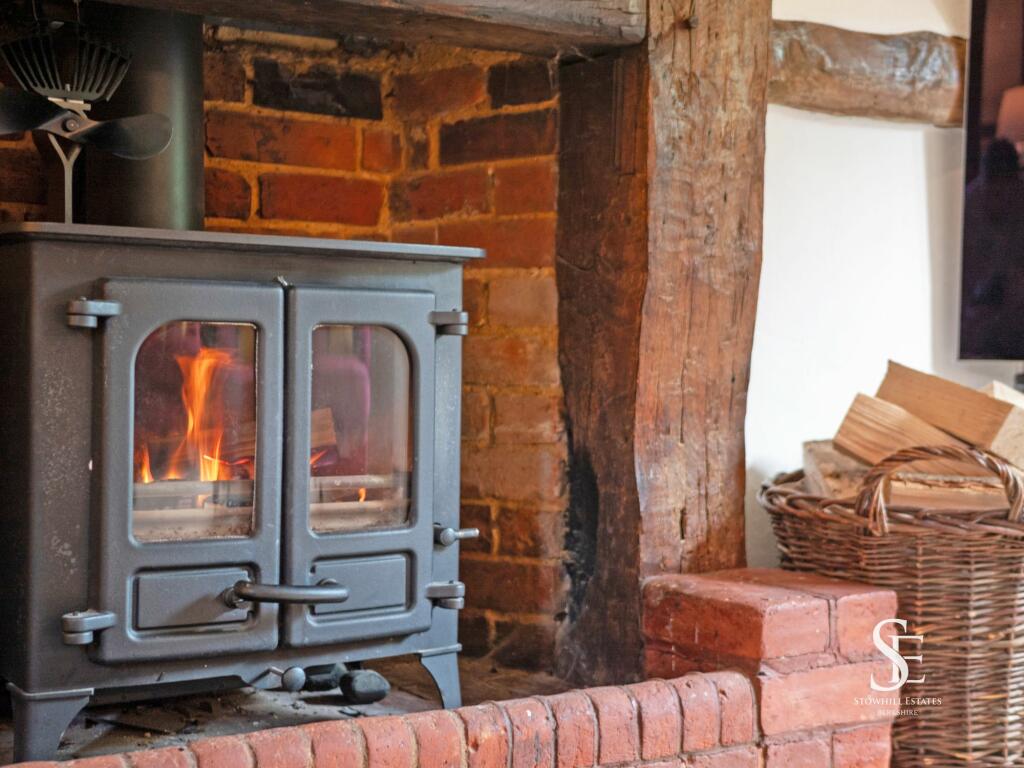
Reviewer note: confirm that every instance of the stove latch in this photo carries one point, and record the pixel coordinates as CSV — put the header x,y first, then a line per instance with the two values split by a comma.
x,y
86,313
454,323
445,537
447,594
80,627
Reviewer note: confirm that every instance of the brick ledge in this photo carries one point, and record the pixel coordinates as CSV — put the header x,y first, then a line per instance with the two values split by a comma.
x,y
802,644
710,718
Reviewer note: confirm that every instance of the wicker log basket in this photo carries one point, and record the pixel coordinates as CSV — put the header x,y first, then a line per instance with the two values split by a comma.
x,y
959,576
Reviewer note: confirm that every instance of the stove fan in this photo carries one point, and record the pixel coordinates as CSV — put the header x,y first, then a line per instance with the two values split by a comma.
x,y
63,68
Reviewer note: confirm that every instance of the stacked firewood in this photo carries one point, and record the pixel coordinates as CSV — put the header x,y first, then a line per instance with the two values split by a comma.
x,y
912,409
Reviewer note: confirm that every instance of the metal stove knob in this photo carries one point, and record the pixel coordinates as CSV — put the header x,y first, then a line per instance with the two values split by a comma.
x,y
292,679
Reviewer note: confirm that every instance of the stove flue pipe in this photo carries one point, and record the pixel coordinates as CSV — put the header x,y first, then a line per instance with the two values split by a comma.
x,y
166,76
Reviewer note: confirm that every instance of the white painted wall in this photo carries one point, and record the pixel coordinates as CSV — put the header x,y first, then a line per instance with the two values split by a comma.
x,y
861,258
888,17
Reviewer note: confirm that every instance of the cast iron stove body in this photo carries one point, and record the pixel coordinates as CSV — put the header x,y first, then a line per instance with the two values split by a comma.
x,y
227,459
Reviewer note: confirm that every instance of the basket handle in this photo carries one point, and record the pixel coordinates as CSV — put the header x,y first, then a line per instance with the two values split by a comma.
x,y
871,501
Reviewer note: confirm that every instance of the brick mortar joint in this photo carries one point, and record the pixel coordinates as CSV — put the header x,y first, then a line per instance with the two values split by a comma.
x,y
303,736
498,389
509,731
829,732
460,725
189,755
485,274
551,506
638,716
417,59
415,739
253,763
552,721
766,668
364,748
252,170
755,699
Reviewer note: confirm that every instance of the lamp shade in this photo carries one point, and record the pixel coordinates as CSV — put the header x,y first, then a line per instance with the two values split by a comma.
x,y
1010,123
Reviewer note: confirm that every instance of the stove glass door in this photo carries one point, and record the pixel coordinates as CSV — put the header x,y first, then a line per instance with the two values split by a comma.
x,y
358,490
190,469
360,450
194,447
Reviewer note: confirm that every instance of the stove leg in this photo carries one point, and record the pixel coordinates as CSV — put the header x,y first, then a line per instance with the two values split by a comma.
x,y
444,669
40,719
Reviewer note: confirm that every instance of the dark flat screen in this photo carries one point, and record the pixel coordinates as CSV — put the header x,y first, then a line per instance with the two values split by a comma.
x,y
992,302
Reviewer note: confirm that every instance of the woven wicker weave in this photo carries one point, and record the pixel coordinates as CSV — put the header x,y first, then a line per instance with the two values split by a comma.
x,y
959,576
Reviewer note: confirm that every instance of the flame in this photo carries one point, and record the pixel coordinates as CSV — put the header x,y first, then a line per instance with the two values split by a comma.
x,y
145,472
205,431
201,445
362,494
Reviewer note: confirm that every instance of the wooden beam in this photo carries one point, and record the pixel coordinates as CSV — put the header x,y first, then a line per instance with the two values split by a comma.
x,y
919,76
550,27
659,249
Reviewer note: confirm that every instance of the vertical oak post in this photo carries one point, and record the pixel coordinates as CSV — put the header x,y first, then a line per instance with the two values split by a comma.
x,y
659,247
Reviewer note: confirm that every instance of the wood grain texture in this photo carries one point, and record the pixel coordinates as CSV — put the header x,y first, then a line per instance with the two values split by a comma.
x,y
659,246
705,210
917,76
602,277
549,27
874,429
973,416
832,474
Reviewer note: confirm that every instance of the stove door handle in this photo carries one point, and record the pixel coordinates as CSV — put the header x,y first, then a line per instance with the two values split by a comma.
x,y
327,591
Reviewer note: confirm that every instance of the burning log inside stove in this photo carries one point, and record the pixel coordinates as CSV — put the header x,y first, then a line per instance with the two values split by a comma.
x,y
182,494
358,502
189,509
240,449
186,508
175,509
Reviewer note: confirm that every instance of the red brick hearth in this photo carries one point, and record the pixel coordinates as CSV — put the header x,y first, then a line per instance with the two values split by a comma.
x,y
706,720
707,717
802,658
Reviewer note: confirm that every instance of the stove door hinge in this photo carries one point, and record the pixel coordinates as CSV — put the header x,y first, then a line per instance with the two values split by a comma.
x,y
86,313
447,594
454,323
80,627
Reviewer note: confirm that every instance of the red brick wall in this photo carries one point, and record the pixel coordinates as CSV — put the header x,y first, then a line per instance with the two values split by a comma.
x,y
428,144
22,186
805,642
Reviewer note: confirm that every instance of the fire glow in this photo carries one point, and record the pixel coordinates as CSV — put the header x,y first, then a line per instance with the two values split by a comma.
x,y
200,449
213,440
196,436
202,439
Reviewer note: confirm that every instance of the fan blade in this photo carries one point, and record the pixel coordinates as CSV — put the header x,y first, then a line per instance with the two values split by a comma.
x,y
24,111
134,138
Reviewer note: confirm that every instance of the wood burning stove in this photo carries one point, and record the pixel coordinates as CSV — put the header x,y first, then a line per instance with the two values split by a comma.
x,y
228,460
